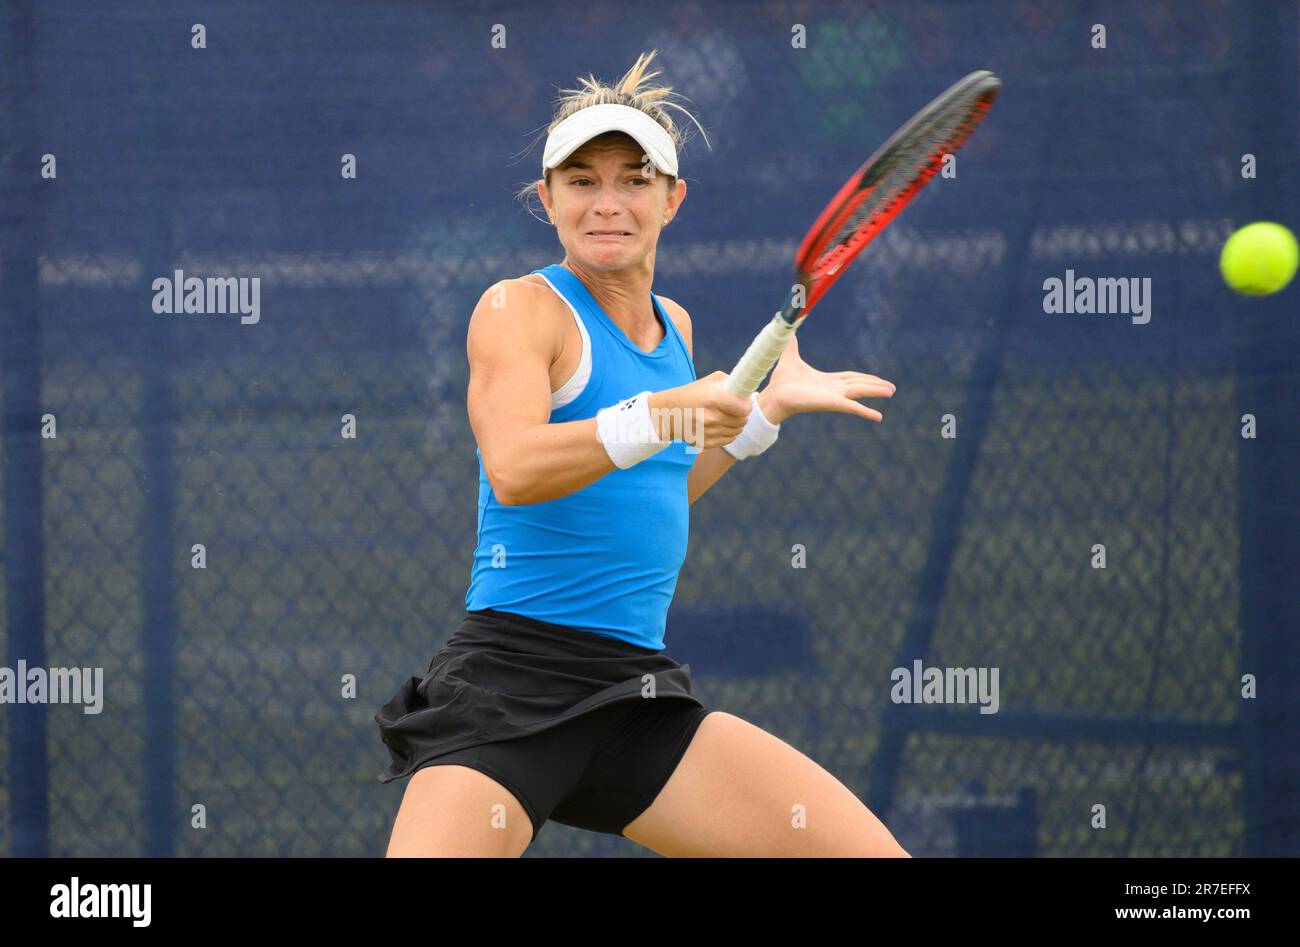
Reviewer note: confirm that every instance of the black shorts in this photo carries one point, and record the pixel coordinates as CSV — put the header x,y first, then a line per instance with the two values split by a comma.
x,y
581,728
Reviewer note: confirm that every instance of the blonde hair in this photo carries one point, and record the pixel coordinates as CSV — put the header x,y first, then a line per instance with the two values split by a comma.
x,y
631,90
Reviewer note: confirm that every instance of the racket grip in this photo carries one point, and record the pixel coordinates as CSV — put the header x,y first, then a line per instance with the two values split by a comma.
x,y
759,357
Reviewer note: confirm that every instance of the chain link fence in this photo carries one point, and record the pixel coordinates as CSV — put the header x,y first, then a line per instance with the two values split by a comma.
x,y
254,584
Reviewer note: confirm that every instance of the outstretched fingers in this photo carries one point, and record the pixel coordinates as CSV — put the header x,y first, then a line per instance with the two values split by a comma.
x,y
864,378
857,388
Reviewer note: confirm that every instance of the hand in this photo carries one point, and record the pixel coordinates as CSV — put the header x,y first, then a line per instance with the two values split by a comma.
x,y
703,413
798,388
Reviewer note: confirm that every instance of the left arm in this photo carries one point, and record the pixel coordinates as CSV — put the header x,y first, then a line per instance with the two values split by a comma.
x,y
795,387
711,464
709,467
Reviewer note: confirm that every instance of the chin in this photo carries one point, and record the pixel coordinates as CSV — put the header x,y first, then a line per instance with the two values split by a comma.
x,y
614,258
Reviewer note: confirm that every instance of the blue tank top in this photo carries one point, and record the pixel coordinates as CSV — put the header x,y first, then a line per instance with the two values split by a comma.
x,y
606,558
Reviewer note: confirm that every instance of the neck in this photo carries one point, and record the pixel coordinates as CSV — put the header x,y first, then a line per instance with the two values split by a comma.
x,y
623,294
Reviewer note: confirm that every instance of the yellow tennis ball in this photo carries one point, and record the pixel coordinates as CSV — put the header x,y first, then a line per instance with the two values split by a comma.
x,y
1259,259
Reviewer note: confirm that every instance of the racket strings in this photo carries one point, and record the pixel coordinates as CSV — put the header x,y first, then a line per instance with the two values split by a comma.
x,y
918,157
882,187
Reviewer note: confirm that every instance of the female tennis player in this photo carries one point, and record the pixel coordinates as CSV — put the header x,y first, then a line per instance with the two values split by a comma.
x,y
555,699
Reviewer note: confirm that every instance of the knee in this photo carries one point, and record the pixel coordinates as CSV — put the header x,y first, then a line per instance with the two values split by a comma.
x,y
874,849
895,850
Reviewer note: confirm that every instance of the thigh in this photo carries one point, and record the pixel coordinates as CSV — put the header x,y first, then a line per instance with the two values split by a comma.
x,y
641,745
741,792
492,799
455,811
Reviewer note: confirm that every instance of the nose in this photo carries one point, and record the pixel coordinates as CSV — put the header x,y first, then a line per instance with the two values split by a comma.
x,y
607,201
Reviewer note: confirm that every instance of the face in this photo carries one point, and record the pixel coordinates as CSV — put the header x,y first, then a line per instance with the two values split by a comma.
x,y
607,208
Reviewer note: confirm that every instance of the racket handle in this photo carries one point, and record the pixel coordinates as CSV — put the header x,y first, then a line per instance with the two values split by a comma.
x,y
759,357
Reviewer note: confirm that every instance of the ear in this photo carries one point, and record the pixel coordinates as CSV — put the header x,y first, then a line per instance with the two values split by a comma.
x,y
677,195
545,198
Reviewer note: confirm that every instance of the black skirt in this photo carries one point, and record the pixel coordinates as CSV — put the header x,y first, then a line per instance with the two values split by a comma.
x,y
502,676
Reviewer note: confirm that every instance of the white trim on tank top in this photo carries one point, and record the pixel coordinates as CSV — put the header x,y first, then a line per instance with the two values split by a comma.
x,y
570,390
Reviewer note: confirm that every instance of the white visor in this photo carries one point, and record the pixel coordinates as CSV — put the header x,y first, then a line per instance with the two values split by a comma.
x,y
580,127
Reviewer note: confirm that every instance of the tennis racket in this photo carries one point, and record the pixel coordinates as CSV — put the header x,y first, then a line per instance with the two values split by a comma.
x,y
864,206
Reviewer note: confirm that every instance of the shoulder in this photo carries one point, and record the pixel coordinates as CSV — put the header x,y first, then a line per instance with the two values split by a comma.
x,y
681,318
531,290
522,307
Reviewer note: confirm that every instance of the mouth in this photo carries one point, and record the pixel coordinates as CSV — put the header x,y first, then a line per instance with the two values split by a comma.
x,y
608,233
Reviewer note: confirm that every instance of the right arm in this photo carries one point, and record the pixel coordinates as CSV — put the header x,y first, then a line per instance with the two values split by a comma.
x,y
525,457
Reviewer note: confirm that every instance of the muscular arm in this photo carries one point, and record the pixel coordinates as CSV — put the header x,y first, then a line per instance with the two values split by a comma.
x,y
510,349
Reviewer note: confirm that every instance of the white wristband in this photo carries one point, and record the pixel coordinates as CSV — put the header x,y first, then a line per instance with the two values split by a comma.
x,y
627,432
759,434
